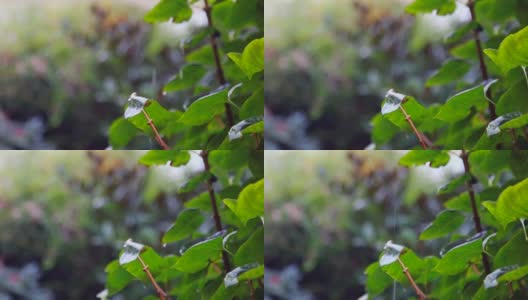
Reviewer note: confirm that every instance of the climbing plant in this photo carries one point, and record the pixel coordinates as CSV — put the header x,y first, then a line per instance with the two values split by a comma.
x,y
220,101
214,248
489,78
482,230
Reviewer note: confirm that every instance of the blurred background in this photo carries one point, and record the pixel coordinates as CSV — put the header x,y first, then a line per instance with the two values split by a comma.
x,y
329,214
66,214
330,63
68,67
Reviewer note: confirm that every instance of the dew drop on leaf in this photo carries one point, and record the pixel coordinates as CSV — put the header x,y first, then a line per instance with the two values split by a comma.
x,y
231,278
391,252
135,105
132,251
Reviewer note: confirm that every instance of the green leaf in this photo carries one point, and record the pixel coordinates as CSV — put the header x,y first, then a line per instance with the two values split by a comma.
x,y
383,130
436,158
252,250
460,257
161,157
151,259
514,275
251,60
454,184
459,106
446,222
512,52
467,50
189,76
514,99
121,132
252,274
411,261
254,128
205,109
413,108
250,202
197,257
491,280
494,127
188,221
253,106
512,203
159,115
513,252
179,10
442,7
117,277
518,122
451,71
232,279
377,280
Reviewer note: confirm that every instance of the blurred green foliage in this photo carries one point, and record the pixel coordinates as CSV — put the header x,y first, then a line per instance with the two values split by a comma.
x,y
63,84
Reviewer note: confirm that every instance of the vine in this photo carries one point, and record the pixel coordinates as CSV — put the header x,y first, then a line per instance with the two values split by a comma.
x,y
222,79
214,248
489,197
474,118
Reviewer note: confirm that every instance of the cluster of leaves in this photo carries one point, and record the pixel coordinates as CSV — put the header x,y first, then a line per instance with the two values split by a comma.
x,y
488,70
224,71
323,76
318,235
224,261
482,229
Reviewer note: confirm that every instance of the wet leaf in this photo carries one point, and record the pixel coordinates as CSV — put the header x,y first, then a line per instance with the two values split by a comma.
x,y
188,221
391,253
458,259
491,279
232,278
236,131
494,126
205,109
446,222
131,252
392,102
198,256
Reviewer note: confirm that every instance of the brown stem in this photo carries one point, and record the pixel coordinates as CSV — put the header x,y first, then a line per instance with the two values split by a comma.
x,y
483,68
156,133
421,295
251,289
219,70
215,266
216,214
418,134
476,217
161,293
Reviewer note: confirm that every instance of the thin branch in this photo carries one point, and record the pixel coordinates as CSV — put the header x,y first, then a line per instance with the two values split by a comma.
x,y
421,295
418,134
219,70
158,137
161,293
476,218
483,68
251,289
216,214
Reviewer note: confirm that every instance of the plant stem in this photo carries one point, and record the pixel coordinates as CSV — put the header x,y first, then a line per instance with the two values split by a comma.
x,y
418,134
476,218
216,214
156,133
251,289
219,70
421,295
161,293
483,68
